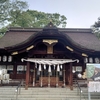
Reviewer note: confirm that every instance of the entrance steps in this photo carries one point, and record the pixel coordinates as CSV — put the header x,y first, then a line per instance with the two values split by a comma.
x,y
8,93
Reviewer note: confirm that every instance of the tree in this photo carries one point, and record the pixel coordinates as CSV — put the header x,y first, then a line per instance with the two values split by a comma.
x,y
14,13
96,28
32,18
10,11
4,11
17,7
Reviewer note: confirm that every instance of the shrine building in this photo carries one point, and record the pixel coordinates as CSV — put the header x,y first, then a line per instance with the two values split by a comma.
x,y
49,56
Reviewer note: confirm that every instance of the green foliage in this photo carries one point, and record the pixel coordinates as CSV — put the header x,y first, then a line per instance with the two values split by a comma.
x,y
14,13
10,10
96,28
16,9
4,11
41,19
2,31
32,18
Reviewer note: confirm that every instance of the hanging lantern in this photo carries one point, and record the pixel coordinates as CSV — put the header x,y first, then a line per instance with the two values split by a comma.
x,y
38,72
60,73
61,66
49,70
58,69
39,67
0,58
9,58
35,65
4,58
0,72
97,60
90,60
50,73
85,60
54,67
44,66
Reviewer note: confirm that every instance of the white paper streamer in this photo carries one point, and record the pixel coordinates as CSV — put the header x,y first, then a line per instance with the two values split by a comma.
x,y
49,70
61,66
39,67
35,65
54,67
44,66
58,69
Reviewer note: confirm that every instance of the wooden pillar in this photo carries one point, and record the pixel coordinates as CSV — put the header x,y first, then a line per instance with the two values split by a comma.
x,y
14,70
56,78
83,67
71,77
27,75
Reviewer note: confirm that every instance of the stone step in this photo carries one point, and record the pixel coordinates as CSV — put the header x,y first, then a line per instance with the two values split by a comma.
x,y
8,93
43,99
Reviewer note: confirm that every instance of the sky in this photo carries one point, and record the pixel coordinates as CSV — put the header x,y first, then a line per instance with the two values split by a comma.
x,y
79,13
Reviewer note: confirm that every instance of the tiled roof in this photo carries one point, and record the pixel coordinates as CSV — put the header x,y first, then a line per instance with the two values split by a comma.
x,y
14,37
83,38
